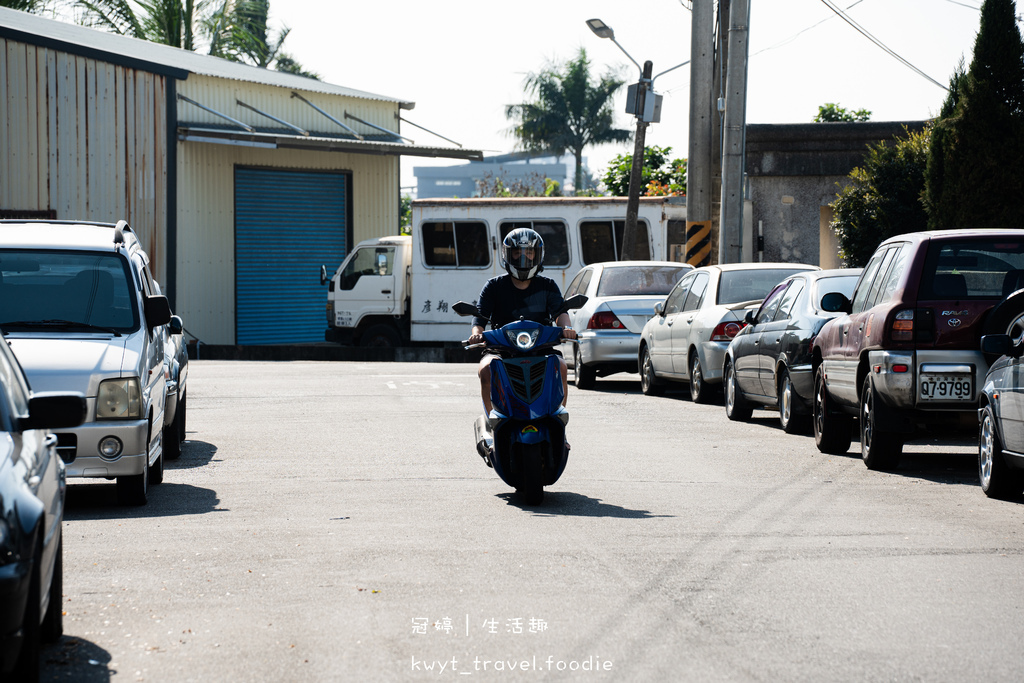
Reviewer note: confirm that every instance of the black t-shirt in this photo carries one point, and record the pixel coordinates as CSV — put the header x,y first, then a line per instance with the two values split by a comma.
x,y
503,302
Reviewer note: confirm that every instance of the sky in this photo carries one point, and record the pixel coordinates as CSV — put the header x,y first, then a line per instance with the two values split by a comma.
x,y
463,61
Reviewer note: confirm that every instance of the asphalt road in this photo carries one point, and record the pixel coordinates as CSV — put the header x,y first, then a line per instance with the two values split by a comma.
x,y
332,522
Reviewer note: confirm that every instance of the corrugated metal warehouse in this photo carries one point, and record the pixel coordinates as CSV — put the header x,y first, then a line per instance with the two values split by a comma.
x,y
241,181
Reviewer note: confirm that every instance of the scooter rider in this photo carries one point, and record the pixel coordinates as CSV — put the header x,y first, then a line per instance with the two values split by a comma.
x,y
522,293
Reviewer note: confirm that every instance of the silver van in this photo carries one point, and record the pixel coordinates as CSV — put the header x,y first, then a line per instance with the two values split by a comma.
x,y
82,312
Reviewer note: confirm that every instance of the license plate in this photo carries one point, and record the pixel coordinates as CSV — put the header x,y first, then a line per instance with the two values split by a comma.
x,y
945,388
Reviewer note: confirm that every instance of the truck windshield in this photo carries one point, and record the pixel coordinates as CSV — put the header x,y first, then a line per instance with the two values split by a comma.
x,y
47,289
367,261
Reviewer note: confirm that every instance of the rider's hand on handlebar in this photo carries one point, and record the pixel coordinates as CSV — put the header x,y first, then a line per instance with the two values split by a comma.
x,y
477,338
568,333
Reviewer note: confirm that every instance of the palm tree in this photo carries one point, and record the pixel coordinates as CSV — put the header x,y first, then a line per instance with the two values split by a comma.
x,y
570,111
233,29
30,6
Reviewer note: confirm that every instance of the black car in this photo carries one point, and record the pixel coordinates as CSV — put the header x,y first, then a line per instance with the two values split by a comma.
x,y
1001,416
32,485
768,363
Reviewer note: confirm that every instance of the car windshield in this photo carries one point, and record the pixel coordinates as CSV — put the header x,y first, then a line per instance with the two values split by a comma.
x,y
844,284
639,280
975,268
750,284
52,289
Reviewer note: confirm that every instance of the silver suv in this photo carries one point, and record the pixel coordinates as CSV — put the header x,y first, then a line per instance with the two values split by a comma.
x,y
81,311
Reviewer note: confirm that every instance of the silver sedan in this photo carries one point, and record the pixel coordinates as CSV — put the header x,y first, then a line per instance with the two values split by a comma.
x,y
687,338
621,298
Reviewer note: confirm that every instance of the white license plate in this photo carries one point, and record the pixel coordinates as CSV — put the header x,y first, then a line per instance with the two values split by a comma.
x,y
933,387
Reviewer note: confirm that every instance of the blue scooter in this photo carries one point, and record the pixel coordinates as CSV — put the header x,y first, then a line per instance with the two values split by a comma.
x,y
523,438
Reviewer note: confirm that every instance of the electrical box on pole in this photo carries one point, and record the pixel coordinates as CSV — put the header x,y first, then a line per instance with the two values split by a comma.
x,y
652,103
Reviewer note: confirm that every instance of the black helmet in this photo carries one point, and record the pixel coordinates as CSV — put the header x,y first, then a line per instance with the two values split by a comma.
x,y
522,267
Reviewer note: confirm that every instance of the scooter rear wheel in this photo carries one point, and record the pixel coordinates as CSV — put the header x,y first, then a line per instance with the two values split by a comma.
x,y
533,476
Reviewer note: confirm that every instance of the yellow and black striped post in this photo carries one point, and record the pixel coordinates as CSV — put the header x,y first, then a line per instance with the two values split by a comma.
x,y
698,243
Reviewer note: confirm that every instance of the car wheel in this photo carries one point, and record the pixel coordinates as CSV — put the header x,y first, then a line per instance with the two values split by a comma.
x,y
700,392
649,382
134,489
831,427
26,667
181,416
736,407
156,470
792,422
584,377
880,450
380,336
997,479
172,434
53,620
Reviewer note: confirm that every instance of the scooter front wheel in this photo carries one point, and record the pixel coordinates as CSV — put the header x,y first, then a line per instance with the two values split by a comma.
x,y
532,488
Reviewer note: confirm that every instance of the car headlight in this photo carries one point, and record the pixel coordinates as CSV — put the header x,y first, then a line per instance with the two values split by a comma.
x,y
119,399
524,339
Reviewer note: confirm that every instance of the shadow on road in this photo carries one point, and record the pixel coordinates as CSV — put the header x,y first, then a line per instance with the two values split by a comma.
x,y
99,501
194,453
576,505
75,659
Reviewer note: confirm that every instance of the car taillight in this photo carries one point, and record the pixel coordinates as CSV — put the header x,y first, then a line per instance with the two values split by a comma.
x,y
605,320
903,326
726,331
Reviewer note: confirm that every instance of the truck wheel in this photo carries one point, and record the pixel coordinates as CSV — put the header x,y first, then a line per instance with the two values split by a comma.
x,y
831,428
380,336
879,450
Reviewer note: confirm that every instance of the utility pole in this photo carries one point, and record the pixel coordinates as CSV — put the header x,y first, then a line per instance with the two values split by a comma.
x,y
730,242
636,171
702,114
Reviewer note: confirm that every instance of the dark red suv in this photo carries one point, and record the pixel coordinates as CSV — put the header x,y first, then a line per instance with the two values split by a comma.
x,y
907,352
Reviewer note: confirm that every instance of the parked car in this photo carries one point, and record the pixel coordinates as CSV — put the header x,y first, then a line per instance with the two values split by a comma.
x,y
1001,415
768,362
687,337
621,297
905,354
79,306
176,374
32,486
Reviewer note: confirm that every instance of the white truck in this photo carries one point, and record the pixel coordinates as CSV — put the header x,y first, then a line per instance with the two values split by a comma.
x,y
390,291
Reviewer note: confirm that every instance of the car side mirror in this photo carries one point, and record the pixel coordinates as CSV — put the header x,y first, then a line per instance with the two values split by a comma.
x,y
465,309
575,301
175,325
836,302
323,275
659,308
157,310
751,317
1001,345
54,411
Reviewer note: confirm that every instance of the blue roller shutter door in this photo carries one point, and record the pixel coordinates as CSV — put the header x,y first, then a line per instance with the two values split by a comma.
x,y
287,223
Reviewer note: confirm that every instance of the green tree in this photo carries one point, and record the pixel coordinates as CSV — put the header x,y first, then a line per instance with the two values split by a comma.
x,y
570,111
974,176
30,6
661,176
830,112
883,197
533,185
232,29
404,215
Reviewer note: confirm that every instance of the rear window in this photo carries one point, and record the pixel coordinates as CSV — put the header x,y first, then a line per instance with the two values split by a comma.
x,y
554,234
751,285
641,281
461,244
987,268
65,290
602,240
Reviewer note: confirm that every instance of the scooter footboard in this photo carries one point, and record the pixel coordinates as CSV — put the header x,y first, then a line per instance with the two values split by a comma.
x,y
514,439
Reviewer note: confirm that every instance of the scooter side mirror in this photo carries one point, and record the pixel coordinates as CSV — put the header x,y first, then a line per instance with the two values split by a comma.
x,y
465,309
572,302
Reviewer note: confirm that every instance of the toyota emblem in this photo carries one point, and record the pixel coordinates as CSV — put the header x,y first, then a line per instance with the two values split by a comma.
x,y
954,322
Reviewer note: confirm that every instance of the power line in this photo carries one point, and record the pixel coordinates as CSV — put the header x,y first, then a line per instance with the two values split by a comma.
x,y
864,32
799,33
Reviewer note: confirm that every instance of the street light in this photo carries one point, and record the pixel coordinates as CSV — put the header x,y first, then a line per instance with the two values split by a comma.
x,y
645,112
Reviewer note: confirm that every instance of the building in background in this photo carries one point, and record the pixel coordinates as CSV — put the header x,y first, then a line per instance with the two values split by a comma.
x,y
463,180
240,181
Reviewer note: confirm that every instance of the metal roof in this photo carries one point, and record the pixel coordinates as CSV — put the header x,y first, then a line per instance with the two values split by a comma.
x,y
156,58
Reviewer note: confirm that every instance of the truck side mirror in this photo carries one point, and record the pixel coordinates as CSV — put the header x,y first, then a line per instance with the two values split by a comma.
x,y
323,275
382,264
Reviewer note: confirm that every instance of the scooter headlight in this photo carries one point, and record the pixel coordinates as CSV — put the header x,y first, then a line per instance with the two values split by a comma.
x,y
524,339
